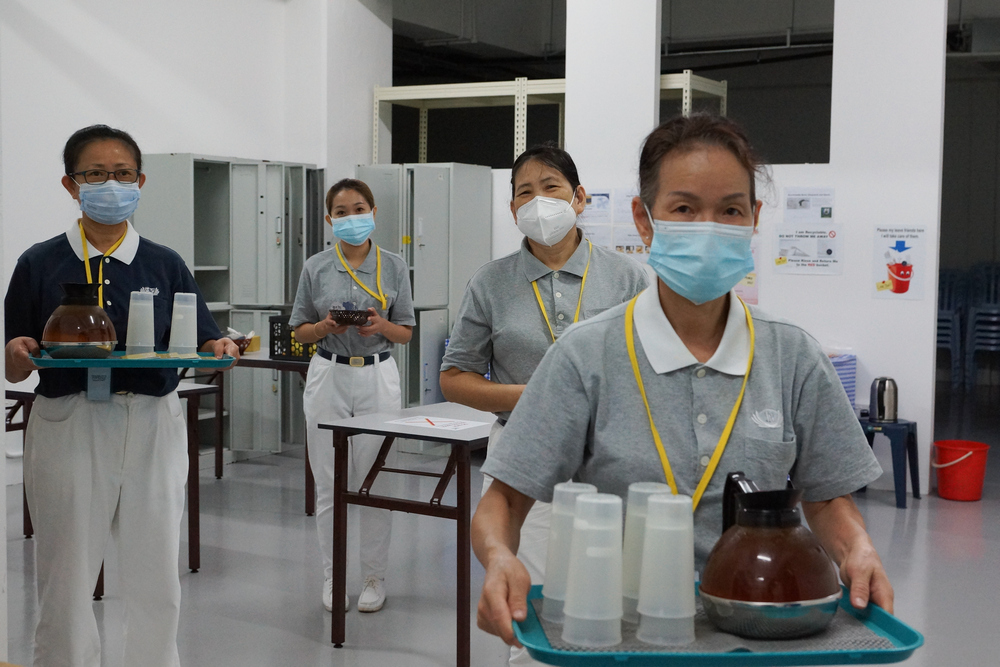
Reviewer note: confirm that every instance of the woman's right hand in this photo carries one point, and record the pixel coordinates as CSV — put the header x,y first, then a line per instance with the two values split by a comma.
x,y
18,355
505,596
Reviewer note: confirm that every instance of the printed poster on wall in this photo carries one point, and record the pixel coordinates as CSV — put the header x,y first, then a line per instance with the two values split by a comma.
x,y
607,222
808,238
899,266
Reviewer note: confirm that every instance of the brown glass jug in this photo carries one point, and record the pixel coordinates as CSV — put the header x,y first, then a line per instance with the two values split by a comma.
x,y
79,327
765,554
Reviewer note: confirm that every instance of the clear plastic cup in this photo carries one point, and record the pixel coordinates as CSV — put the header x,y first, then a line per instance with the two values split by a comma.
x,y
141,336
666,593
635,533
557,560
593,610
184,324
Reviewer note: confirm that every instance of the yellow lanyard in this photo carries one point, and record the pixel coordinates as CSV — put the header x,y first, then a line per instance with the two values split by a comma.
x,y
100,265
576,317
378,280
719,448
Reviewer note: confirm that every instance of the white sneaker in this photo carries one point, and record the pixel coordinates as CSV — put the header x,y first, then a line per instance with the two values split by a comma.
x,y
372,595
328,597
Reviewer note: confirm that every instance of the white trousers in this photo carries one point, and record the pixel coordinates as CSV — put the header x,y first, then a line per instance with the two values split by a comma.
x,y
94,469
533,547
336,391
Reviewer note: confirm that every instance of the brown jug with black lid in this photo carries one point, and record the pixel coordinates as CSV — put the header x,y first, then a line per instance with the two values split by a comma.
x,y
79,327
765,554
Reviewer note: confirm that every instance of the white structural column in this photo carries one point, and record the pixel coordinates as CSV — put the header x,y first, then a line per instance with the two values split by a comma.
x,y
612,86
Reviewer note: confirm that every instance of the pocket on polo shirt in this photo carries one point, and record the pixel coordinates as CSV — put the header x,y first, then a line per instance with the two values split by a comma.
x,y
768,462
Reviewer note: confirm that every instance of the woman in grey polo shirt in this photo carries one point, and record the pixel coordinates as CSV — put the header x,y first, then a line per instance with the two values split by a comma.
x,y
352,373
517,306
684,384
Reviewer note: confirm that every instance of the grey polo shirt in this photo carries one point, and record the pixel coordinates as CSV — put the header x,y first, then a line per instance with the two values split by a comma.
x,y
500,327
582,417
325,282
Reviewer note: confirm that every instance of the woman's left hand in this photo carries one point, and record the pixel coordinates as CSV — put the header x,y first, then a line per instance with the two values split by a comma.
x,y
865,577
376,324
222,347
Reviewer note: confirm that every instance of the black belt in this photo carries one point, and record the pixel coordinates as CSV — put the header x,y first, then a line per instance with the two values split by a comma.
x,y
357,362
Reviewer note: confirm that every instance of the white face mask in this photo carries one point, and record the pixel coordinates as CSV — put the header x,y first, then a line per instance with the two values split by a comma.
x,y
546,220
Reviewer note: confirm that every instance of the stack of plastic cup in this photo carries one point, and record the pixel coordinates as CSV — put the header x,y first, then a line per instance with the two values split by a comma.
x,y
666,594
593,609
184,324
557,560
141,336
635,535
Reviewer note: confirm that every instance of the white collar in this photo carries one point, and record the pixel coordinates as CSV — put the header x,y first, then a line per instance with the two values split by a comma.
x,y
123,253
665,351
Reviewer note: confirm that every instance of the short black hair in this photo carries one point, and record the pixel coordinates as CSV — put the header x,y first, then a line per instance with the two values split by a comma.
x,y
550,155
81,138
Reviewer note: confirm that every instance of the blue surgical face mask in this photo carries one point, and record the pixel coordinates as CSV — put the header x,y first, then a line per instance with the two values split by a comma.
x,y
354,229
701,261
110,202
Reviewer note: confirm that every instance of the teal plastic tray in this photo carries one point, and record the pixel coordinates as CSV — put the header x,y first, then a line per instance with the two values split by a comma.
x,y
904,639
204,360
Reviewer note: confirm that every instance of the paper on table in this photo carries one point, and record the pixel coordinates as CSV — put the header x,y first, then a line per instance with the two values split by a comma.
x,y
441,423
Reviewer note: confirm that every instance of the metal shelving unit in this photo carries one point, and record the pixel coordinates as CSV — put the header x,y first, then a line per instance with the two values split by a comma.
x,y
519,93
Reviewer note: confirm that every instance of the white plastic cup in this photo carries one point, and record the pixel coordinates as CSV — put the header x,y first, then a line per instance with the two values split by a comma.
x,y
184,324
666,598
593,609
141,336
564,497
635,534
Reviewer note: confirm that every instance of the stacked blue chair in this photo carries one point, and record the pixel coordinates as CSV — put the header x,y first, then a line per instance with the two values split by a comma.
x,y
951,308
983,321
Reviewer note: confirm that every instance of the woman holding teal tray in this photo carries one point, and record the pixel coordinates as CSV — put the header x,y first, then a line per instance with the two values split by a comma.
x,y
95,469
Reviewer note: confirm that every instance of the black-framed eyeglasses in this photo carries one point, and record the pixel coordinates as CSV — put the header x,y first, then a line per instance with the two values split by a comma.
x,y
98,176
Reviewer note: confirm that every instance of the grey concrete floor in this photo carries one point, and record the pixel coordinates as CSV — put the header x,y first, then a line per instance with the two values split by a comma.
x,y
256,600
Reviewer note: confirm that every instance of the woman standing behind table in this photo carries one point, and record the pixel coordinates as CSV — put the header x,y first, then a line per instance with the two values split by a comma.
x,y
94,469
684,384
352,373
515,307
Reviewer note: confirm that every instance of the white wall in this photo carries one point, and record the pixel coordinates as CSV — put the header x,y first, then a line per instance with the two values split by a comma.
x,y
359,57
885,165
612,86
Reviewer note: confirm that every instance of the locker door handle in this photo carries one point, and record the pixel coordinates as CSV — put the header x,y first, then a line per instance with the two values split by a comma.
x,y
278,223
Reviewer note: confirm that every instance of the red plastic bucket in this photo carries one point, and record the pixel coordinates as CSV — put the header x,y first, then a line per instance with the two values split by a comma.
x,y
961,468
900,275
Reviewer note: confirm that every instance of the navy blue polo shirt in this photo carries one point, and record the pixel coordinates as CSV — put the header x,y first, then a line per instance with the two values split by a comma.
x,y
136,265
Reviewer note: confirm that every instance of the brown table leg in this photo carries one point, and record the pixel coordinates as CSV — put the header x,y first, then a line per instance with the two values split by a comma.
x,y
337,630
310,483
218,432
194,509
29,529
463,555
99,588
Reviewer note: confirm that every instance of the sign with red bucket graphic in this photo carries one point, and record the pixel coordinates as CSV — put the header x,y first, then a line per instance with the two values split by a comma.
x,y
899,253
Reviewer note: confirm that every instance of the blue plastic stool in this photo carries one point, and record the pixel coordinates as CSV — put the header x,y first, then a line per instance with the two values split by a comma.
x,y
902,436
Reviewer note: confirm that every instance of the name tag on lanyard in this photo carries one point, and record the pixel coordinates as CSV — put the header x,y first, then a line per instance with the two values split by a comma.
x,y
99,384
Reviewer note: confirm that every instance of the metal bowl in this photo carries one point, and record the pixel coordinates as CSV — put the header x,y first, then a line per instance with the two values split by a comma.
x,y
88,350
350,317
771,620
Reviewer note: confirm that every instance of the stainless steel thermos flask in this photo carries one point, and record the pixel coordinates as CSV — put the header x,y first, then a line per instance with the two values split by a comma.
x,y
884,400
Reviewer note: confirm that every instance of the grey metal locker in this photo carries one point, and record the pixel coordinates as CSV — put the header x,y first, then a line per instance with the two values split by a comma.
x,y
386,183
295,229
471,228
168,193
245,204
254,394
429,197
271,281
433,329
